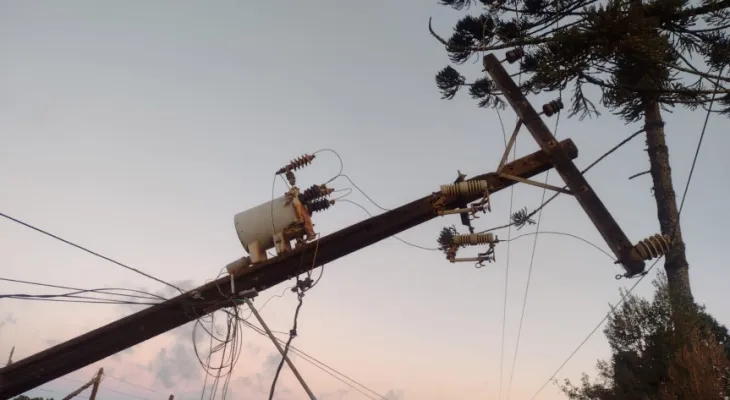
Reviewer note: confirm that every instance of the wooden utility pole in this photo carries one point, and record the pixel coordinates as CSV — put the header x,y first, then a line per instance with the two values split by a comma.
x,y
588,199
97,381
94,382
95,345
10,357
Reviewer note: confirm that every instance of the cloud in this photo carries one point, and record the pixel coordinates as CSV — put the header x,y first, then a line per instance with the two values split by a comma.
x,y
336,395
8,320
254,348
395,394
271,363
175,365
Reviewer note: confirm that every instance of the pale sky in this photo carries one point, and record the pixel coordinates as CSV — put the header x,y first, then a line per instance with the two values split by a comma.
x,y
138,129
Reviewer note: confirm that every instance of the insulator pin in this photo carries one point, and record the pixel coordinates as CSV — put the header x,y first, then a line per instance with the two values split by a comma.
x,y
315,192
654,246
473,239
319,205
552,107
515,54
465,188
296,163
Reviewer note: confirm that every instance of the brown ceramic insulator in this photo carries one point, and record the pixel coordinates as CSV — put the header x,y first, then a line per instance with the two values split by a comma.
x,y
318,205
552,107
513,55
296,163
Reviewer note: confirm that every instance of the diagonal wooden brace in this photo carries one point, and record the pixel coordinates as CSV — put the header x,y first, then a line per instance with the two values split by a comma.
x,y
535,183
511,143
587,198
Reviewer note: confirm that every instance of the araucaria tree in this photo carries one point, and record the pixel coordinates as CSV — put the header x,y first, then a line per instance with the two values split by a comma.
x,y
648,362
642,56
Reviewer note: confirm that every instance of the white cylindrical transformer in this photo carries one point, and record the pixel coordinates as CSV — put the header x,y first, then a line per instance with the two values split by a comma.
x,y
255,224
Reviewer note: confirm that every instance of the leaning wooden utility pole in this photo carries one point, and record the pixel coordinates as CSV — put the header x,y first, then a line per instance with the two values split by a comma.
x,y
630,256
97,382
94,383
285,356
93,346
10,357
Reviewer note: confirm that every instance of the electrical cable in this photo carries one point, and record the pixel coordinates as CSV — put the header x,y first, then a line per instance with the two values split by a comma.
x,y
117,302
131,384
300,289
342,164
287,345
349,192
529,269
102,388
595,246
69,294
362,192
507,259
103,257
268,300
641,278
322,366
111,291
394,236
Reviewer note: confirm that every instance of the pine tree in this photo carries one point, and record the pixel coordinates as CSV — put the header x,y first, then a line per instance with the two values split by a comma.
x,y
643,56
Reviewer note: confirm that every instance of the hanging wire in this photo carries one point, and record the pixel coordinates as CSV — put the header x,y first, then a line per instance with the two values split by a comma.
x,y
342,164
394,236
107,291
362,192
507,259
82,248
300,289
532,260
359,387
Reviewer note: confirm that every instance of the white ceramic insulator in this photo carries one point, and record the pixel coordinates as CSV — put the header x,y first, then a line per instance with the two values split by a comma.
x,y
256,224
465,188
237,265
473,239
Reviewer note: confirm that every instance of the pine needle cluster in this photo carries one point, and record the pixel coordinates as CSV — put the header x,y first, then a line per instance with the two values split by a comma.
x,y
672,52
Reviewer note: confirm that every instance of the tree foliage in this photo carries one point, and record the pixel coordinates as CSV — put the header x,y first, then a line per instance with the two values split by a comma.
x,y
649,361
631,50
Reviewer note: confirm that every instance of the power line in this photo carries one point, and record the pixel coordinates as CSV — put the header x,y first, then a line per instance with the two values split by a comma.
x,y
625,296
394,236
108,291
82,248
131,384
586,241
87,301
529,271
507,258
321,366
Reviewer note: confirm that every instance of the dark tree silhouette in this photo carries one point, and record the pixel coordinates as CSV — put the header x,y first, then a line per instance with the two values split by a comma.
x,y
649,361
642,56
